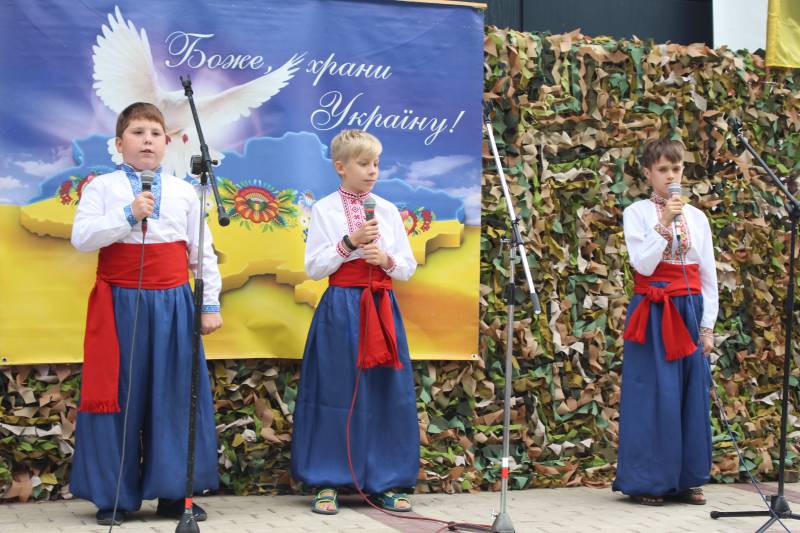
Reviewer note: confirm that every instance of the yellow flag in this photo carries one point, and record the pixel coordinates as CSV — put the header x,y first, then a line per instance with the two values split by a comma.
x,y
783,34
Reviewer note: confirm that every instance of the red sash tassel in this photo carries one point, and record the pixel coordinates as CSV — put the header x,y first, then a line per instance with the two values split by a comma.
x,y
377,341
166,266
678,342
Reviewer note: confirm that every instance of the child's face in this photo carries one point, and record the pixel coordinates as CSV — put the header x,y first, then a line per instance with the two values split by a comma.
x,y
662,173
142,144
359,173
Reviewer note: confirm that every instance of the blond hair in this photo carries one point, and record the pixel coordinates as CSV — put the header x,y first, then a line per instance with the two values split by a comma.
x,y
354,143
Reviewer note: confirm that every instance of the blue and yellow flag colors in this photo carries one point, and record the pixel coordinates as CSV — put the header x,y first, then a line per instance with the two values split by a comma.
x,y
783,34
320,66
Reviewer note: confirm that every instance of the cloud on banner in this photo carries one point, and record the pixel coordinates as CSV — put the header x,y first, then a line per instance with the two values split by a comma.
x,y
273,82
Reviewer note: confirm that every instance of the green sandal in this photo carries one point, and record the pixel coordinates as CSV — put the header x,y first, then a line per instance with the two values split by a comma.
x,y
325,496
388,500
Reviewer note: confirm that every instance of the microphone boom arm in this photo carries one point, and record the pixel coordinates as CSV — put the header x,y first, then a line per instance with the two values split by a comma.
x,y
516,237
736,126
202,165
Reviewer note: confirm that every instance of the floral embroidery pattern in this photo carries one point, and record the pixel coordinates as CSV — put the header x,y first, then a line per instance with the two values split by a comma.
x,y
685,242
417,221
664,232
255,203
70,191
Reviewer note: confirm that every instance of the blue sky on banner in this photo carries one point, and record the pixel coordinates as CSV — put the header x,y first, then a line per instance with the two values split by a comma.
x,y
294,73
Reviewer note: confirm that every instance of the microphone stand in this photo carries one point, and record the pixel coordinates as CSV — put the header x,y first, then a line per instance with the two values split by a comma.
x,y
778,506
502,522
202,166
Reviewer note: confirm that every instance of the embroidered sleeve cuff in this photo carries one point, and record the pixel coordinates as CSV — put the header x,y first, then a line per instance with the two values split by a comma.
x,y
342,250
392,265
210,309
706,332
129,216
664,231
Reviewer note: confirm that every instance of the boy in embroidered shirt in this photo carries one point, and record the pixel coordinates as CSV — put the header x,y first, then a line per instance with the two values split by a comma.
x,y
665,431
357,337
110,218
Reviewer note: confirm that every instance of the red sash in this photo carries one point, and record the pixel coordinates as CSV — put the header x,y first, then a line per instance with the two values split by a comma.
x,y
165,266
377,342
677,340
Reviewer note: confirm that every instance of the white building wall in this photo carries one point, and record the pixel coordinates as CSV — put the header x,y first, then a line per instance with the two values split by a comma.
x,y
740,24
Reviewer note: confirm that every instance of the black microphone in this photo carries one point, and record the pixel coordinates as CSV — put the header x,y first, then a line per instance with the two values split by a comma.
x,y
673,189
369,208
147,178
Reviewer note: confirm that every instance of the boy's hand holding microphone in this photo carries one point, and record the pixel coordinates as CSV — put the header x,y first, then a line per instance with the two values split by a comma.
x,y
144,203
672,211
365,236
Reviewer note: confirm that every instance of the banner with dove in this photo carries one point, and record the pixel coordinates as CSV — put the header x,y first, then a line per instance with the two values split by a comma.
x,y
273,81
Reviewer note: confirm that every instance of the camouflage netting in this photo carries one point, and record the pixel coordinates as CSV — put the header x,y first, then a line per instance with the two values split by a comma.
x,y
570,115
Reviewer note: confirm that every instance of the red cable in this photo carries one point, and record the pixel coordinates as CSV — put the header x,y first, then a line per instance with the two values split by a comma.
x,y
397,514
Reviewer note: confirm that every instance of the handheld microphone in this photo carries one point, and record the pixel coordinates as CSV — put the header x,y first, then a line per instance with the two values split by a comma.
x,y
147,178
369,208
673,189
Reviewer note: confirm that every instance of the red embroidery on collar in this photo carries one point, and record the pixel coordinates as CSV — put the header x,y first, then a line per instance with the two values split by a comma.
x,y
353,204
353,195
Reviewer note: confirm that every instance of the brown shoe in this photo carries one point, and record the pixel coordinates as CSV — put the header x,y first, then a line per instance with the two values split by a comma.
x,y
647,499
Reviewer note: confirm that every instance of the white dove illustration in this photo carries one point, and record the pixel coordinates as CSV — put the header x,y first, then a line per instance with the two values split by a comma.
x,y
124,74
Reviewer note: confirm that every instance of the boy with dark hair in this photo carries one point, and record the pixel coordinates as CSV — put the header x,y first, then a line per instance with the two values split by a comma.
x,y
665,430
134,404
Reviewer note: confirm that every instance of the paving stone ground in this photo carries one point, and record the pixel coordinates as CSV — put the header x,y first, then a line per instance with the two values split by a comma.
x,y
531,511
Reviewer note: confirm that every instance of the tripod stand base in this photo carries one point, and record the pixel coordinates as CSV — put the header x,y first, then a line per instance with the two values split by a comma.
x,y
779,509
502,524
187,524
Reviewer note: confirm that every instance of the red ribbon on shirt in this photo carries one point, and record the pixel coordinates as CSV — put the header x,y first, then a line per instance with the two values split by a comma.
x,y
166,266
377,341
678,342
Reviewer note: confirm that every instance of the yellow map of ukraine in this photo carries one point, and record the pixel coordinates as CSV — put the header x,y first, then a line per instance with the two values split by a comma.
x,y
267,299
